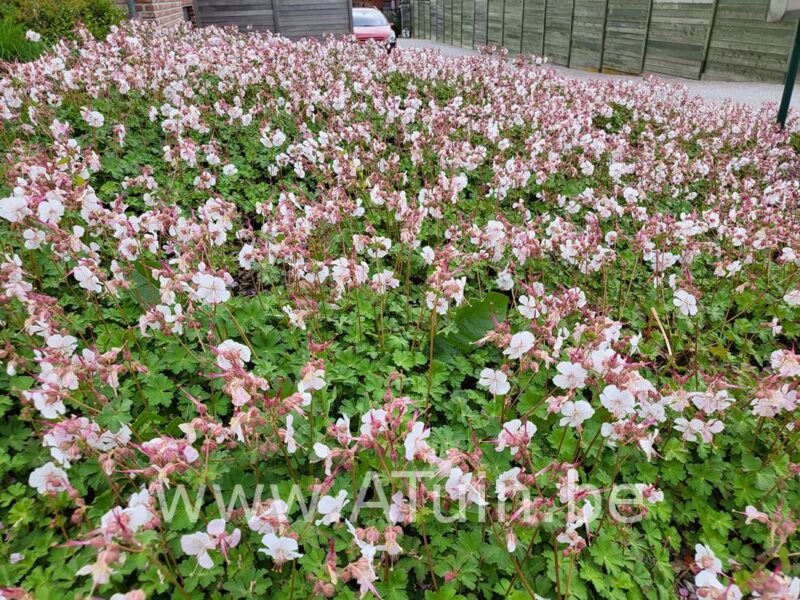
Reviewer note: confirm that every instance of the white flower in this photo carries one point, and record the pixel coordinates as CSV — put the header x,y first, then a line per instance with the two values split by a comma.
x,y
86,278
496,381
373,422
50,211
571,376
51,407
48,479
575,413
785,362
313,380
198,544
65,344
520,344
14,208
232,353
33,36
288,437
706,580
515,435
93,118
321,451
230,170
400,510
124,520
706,560
686,303
330,507
270,518
383,282
99,570
753,514
528,307
505,280
415,443
211,289
619,403
279,549
507,484
792,298
460,487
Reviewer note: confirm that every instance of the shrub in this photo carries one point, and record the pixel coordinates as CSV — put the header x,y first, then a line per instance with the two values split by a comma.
x,y
239,270
13,43
53,20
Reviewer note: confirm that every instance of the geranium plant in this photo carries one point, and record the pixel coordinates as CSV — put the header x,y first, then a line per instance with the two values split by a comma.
x,y
306,319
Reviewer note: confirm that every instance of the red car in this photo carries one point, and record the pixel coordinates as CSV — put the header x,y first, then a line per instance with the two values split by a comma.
x,y
370,24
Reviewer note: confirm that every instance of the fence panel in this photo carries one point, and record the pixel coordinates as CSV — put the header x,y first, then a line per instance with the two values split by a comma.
x,y
244,13
744,47
677,37
425,9
495,32
716,39
421,19
533,26
512,31
626,32
558,30
481,22
588,23
467,19
439,12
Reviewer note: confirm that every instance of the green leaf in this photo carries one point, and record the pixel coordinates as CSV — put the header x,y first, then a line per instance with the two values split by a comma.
x,y
472,322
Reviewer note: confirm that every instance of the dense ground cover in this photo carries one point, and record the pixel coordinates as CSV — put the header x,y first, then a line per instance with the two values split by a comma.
x,y
235,266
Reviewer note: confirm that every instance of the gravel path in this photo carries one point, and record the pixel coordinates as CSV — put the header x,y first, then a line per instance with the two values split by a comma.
x,y
752,93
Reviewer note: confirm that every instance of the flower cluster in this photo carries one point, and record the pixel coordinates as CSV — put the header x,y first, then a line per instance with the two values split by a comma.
x,y
307,319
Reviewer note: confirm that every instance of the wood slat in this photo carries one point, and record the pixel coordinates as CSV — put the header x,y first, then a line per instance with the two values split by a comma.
x,y
558,31
481,22
626,32
533,26
588,23
744,47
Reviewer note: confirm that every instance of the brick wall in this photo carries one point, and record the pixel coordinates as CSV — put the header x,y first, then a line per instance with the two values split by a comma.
x,y
163,12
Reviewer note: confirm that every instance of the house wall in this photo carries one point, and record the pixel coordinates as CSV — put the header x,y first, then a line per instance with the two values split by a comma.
x,y
163,12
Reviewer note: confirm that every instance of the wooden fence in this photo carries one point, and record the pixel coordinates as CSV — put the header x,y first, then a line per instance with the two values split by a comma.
x,y
292,18
715,39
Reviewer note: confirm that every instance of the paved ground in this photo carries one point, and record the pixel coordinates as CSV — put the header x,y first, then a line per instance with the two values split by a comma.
x,y
754,94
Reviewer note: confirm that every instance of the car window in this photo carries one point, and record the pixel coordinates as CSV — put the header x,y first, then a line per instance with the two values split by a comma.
x,y
368,18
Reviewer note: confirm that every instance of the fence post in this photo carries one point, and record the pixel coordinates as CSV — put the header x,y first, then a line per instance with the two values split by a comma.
x,y
709,33
474,16
791,76
571,27
522,28
603,38
646,35
276,7
503,25
544,24
488,2
461,26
